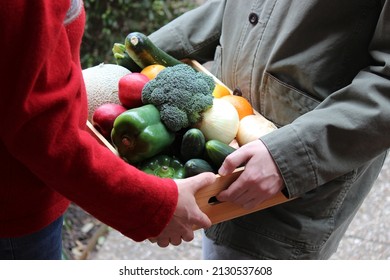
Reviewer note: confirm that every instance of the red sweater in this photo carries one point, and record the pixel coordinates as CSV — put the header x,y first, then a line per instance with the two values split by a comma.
x,y
46,157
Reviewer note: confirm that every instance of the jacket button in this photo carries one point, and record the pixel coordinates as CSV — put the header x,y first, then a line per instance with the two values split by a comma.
x,y
237,91
253,18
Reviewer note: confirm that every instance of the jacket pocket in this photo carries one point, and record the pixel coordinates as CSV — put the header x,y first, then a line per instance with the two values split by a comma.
x,y
282,103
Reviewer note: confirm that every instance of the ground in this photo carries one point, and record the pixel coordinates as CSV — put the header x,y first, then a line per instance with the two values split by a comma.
x,y
82,233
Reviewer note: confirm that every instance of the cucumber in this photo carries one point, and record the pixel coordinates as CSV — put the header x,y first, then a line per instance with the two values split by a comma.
x,y
217,151
144,52
196,166
192,144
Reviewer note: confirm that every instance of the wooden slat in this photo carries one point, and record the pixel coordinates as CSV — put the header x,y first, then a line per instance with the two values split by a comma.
x,y
223,211
100,138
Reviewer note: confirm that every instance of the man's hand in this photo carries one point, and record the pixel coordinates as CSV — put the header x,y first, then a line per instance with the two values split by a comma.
x,y
187,213
259,181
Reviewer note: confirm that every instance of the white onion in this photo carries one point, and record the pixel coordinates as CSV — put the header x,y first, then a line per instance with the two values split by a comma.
x,y
220,122
252,127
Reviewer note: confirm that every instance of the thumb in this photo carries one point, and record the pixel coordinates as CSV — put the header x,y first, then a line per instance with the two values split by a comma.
x,y
202,221
194,184
201,180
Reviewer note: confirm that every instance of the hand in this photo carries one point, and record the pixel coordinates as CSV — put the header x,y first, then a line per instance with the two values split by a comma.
x,y
187,213
259,181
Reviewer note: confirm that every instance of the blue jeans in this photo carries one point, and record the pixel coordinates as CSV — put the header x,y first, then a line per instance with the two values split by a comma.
x,y
45,244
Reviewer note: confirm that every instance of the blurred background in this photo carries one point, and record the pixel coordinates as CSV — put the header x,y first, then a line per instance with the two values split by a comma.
x,y
110,21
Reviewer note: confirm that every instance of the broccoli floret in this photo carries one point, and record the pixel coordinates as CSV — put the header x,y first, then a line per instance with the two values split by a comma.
x,y
174,118
181,94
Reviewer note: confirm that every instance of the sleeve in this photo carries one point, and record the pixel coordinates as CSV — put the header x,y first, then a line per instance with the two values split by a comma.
x,y
348,129
193,35
42,120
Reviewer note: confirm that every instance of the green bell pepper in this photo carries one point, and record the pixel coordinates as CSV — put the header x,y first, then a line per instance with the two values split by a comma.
x,y
139,134
163,166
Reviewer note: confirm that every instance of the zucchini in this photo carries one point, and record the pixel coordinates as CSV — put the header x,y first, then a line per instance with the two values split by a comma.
x,y
217,151
123,59
196,166
192,144
144,52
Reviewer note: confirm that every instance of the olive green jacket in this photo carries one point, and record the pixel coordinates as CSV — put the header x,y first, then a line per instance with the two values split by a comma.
x,y
320,70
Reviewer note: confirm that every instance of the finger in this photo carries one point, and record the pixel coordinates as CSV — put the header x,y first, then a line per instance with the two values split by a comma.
x,y
175,241
232,161
202,221
228,166
250,204
240,199
202,180
247,200
235,190
232,193
197,182
152,240
188,236
163,242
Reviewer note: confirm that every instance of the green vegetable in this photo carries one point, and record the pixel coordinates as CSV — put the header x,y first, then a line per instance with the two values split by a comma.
x,y
163,166
139,134
123,59
181,94
196,166
144,52
217,151
192,144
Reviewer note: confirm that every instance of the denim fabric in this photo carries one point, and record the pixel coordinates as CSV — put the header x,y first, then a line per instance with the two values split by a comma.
x,y
45,244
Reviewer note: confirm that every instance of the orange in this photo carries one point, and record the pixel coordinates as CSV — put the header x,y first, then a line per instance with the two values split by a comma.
x,y
242,105
220,90
151,71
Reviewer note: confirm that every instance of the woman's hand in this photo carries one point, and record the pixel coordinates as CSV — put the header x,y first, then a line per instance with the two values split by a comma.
x,y
187,213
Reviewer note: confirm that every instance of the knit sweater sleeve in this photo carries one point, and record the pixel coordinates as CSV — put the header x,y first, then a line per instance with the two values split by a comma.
x,y
43,115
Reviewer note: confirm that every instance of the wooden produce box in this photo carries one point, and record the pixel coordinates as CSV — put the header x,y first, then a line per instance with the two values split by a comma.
x,y
215,210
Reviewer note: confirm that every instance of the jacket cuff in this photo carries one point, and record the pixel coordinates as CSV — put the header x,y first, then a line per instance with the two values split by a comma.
x,y
293,160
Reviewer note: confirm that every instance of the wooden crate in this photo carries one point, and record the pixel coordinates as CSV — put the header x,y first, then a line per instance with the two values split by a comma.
x,y
216,211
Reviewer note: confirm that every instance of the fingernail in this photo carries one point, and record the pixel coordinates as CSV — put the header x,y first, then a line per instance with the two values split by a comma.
x,y
222,171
